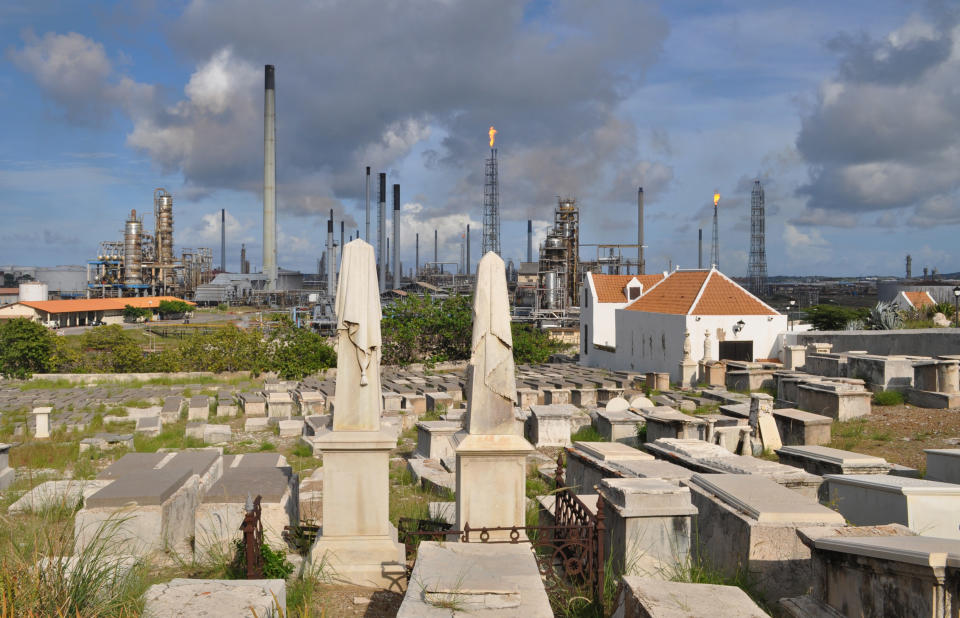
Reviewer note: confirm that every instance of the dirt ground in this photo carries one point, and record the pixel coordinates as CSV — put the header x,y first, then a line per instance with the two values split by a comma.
x,y
900,433
336,601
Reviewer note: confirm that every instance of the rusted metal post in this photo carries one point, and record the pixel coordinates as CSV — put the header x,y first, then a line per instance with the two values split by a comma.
x,y
252,539
558,473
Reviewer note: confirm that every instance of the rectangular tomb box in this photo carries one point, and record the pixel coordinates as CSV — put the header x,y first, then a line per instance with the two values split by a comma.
x,y
144,512
392,401
172,407
226,403
279,404
583,397
797,427
646,597
665,422
943,464
556,396
414,402
825,460
7,474
590,462
619,426
434,439
527,397
550,425
310,402
253,404
221,511
199,409
751,522
839,401
648,526
929,508
437,401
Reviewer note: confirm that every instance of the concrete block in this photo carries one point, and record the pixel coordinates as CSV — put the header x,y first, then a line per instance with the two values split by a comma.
x,y
289,428
199,409
256,424
215,434
243,598
943,464
658,599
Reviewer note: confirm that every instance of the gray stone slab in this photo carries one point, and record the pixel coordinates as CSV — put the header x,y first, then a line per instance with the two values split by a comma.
x,y
612,451
765,500
142,488
239,598
271,483
656,468
655,598
131,463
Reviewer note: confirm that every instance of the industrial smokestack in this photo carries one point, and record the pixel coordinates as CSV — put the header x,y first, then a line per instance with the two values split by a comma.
x,y
366,232
396,237
529,240
468,248
269,179
435,247
331,286
416,270
700,248
641,265
382,233
243,259
223,240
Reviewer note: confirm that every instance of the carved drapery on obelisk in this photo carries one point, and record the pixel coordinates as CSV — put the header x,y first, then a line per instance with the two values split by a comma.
x,y
493,385
358,401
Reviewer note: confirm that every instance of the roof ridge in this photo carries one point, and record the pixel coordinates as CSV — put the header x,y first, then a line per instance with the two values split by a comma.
x,y
703,286
748,292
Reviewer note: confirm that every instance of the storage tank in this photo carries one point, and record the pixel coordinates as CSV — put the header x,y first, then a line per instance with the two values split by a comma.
x,y
551,295
33,291
132,250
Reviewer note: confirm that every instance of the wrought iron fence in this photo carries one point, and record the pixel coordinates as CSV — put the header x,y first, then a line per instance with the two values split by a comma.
x,y
569,553
252,528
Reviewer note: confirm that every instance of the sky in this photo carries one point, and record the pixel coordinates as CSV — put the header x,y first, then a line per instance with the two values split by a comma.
x,y
848,113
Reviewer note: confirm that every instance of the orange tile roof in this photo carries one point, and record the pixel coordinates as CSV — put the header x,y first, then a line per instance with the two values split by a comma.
x,y
97,304
919,299
722,296
610,287
699,292
9,290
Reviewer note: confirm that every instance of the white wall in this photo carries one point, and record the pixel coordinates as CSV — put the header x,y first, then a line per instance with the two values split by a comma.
x,y
598,319
654,341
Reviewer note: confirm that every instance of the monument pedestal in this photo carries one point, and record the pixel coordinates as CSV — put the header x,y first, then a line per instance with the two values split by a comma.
x,y
688,373
491,482
357,540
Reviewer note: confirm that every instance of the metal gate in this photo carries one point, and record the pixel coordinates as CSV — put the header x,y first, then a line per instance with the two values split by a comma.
x,y
569,553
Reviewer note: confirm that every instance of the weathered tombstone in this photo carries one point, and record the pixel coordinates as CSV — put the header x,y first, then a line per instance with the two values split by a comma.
x,y
358,540
491,459
42,419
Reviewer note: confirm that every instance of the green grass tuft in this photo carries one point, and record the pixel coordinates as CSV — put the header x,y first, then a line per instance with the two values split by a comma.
x,y
888,398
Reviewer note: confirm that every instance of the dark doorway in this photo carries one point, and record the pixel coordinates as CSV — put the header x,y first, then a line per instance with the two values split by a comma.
x,y
736,350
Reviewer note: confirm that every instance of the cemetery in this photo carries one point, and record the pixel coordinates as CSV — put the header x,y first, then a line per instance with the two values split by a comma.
x,y
488,487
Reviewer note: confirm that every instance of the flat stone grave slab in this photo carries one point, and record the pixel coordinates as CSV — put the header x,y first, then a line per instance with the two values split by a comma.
x,y
929,508
825,460
57,494
656,468
612,451
240,598
764,500
132,463
149,425
654,598
199,408
141,488
494,579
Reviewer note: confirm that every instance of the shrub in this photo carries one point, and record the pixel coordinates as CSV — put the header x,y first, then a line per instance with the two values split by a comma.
x,y
299,352
532,345
132,313
173,307
888,398
25,348
832,317
275,563
111,349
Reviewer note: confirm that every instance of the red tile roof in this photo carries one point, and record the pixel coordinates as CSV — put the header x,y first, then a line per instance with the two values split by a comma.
x,y
610,287
700,292
9,291
97,304
919,299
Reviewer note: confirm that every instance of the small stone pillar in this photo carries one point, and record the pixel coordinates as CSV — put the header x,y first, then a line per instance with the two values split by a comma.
x,y
688,368
948,376
662,381
42,418
651,380
648,525
795,356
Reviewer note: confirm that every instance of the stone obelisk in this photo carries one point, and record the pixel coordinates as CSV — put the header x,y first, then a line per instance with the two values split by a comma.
x,y
491,457
357,539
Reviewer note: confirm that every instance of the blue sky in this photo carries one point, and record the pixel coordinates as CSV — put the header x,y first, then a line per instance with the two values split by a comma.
x,y
843,110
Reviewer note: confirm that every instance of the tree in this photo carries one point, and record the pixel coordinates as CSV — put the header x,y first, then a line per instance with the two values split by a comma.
x,y
25,348
298,352
422,328
132,314
111,349
533,346
226,349
832,317
173,307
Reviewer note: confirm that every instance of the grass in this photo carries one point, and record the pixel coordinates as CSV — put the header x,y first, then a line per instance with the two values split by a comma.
x,y
47,383
407,497
171,436
851,435
587,434
36,454
888,398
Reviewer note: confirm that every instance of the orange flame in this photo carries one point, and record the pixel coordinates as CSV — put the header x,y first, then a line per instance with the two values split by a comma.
x,y
716,198
493,132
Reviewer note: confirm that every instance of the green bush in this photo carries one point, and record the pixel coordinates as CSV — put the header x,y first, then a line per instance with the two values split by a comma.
x,y
299,352
532,345
888,398
420,328
111,349
173,307
25,348
832,317
275,563
133,313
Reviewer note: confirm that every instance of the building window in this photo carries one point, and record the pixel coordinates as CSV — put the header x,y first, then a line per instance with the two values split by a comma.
x,y
634,292
586,338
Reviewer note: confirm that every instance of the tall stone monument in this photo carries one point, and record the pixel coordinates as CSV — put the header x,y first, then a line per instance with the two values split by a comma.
x,y
491,457
357,538
688,367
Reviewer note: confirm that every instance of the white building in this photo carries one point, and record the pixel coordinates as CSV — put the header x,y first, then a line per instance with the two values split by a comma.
x,y
649,331
602,295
